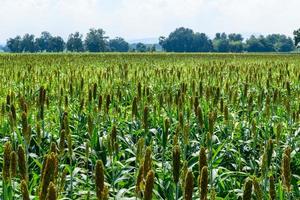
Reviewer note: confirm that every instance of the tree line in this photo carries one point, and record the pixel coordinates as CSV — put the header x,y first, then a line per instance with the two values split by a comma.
x,y
186,40
95,41
180,40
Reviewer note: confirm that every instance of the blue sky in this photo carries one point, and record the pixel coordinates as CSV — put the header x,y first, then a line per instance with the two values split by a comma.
x,y
135,19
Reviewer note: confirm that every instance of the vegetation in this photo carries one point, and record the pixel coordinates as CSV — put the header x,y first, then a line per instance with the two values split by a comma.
x,y
118,45
185,40
95,41
297,37
75,43
180,40
149,126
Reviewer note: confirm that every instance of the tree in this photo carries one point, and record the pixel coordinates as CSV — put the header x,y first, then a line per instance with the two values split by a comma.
x,y
260,44
56,44
95,41
270,43
75,42
254,44
27,43
140,47
43,43
285,46
14,44
153,48
236,46
235,37
118,45
221,43
185,40
180,40
280,43
201,43
236,42
297,37
47,42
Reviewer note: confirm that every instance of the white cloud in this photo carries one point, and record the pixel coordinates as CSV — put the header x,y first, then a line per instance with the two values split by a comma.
x,y
264,16
147,18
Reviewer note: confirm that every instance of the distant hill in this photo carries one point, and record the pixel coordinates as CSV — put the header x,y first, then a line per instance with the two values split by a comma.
x,y
152,40
149,42
157,46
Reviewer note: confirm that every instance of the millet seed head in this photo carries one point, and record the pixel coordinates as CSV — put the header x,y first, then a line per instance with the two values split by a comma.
x,y
176,163
13,164
6,161
189,185
247,190
99,178
149,185
203,183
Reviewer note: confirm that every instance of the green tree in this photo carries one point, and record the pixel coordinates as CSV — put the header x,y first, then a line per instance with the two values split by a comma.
x,y
285,46
95,41
153,48
253,44
201,43
185,40
56,44
74,42
281,43
43,42
118,45
297,37
221,43
235,42
140,47
14,44
235,37
180,40
28,43
267,44
259,44
236,46
270,43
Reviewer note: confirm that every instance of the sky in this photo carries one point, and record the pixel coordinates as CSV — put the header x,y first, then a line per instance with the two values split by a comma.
x,y
137,19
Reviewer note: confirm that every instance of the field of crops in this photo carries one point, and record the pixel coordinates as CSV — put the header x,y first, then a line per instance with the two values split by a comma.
x,y
149,126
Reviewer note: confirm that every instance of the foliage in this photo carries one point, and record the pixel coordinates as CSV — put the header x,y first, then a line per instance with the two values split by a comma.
x,y
118,45
270,43
56,44
180,40
96,41
14,44
221,43
185,40
140,47
149,126
75,43
27,43
43,42
297,37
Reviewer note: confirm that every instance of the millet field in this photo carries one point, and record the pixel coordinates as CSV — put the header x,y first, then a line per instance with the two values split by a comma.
x,y
149,126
